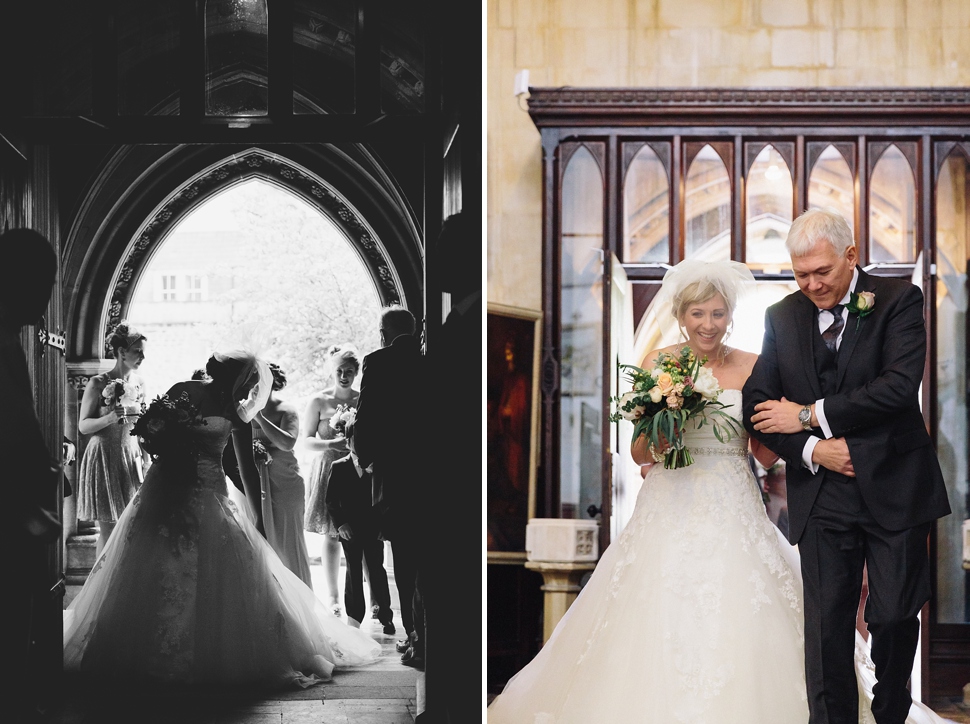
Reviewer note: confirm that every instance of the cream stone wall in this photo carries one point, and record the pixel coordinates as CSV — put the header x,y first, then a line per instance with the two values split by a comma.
x,y
683,43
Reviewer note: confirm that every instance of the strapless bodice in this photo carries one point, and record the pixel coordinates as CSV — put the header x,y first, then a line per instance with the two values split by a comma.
x,y
212,436
210,440
703,441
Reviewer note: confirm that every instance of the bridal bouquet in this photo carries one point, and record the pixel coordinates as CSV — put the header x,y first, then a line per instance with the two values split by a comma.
x,y
165,429
676,389
344,414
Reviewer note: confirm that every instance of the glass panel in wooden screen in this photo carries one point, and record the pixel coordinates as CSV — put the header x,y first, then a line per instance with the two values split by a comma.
x,y
236,39
769,199
830,185
581,442
707,211
646,201
953,244
892,209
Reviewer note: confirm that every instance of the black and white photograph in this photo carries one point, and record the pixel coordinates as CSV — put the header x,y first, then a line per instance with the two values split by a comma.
x,y
241,277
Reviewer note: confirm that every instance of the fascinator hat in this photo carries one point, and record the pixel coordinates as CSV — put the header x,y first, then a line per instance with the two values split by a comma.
x,y
695,281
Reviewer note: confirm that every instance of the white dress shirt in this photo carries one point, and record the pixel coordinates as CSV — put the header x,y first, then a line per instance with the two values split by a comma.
x,y
825,318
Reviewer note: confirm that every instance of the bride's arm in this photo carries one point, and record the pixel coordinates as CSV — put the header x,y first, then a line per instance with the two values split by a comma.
x,y
640,451
762,454
242,442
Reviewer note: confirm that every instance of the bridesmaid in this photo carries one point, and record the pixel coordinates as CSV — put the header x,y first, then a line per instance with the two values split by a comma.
x,y
112,466
275,429
343,364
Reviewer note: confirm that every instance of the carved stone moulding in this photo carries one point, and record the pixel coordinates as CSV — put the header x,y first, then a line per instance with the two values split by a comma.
x,y
254,162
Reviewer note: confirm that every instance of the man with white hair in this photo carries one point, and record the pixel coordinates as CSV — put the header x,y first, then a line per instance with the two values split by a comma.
x,y
835,392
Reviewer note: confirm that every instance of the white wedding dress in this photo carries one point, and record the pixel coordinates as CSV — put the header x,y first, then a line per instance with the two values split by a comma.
x,y
692,615
187,591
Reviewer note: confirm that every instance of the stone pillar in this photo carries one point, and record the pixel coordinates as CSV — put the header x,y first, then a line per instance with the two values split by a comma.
x,y
562,550
80,538
561,586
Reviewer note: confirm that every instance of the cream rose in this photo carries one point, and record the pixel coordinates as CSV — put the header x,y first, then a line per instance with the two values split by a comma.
x,y
636,413
706,384
656,395
865,301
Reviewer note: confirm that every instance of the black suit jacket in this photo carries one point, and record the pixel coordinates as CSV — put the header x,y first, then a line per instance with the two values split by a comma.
x,y
875,408
349,499
391,431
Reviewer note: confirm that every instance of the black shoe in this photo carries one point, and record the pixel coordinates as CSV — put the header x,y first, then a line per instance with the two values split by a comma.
x,y
413,660
402,646
389,628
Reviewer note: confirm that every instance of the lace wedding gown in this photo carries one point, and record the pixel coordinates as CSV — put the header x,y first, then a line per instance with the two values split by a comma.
x,y
188,591
692,615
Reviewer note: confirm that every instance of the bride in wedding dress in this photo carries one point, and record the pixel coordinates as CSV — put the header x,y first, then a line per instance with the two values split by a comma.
x,y
694,613
187,590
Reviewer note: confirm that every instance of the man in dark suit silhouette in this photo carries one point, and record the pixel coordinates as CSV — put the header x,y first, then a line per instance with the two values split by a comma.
x,y
449,577
390,436
29,268
349,504
835,393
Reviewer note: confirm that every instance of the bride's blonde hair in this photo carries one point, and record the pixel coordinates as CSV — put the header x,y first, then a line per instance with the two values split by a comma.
x,y
694,281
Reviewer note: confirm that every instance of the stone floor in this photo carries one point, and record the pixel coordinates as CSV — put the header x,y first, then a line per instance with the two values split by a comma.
x,y
386,692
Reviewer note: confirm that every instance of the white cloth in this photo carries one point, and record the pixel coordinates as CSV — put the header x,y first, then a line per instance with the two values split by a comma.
x,y
693,614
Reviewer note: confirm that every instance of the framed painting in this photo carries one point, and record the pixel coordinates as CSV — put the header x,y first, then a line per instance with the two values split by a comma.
x,y
512,357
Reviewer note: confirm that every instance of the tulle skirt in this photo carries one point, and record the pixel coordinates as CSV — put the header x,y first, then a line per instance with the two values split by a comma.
x,y
188,591
692,615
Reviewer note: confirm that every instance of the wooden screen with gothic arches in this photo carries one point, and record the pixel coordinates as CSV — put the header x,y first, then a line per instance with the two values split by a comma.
x,y
636,180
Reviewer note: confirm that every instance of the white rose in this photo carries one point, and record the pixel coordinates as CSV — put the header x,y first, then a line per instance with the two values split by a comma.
x,y
706,384
636,413
865,301
656,395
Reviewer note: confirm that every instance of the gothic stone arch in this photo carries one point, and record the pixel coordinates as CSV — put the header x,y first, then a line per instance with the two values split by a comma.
x,y
143,191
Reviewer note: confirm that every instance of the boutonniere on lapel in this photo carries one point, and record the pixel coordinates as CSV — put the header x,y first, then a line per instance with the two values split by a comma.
x,y
861,305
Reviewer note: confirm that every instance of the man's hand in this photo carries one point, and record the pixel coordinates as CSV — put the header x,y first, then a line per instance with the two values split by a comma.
x,y
345,531
833,454
777,416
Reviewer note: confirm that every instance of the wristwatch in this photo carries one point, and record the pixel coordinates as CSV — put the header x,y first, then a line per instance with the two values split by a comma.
x,y
805,417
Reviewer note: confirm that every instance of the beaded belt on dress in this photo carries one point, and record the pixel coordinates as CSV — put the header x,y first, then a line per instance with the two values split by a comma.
x,y
724,451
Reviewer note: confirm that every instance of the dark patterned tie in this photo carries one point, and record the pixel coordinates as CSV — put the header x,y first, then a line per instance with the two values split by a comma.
x,y
831,335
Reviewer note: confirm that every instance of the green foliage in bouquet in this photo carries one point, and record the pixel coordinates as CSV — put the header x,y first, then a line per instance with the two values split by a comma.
x,y
678,388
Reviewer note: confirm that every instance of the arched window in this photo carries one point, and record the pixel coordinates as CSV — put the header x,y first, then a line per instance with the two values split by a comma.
x,y
646,219
892,209
708,207
769,197
830,184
